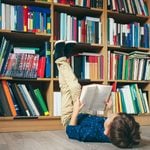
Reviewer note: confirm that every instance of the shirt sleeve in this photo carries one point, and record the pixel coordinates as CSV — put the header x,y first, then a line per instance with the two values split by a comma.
x,y
86,134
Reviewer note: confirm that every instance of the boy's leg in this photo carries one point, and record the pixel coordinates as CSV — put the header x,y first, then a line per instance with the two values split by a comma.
x,y
69,86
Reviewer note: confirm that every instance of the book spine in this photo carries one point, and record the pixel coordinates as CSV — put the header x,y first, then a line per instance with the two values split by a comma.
x,y
41,101
9,98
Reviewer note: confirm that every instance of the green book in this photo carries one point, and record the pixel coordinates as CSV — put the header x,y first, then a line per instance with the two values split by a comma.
x,y
123,101
41,101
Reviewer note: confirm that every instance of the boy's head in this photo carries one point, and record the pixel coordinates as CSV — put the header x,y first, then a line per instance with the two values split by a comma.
x,y
123,130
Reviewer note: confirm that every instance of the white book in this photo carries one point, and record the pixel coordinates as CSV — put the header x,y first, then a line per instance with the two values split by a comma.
x,y
146,102
128,99
100,33
7,16
23,50
57,104
12,17
32,104
3,9
147,73
95,96
111,31
141,69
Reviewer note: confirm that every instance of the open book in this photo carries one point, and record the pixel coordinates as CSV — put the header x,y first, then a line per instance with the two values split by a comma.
x,y
95,96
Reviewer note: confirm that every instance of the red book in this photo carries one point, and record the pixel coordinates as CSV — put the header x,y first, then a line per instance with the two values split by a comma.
x,y
63,1
25,18
111,66
114,87
71,2
83,31
41,67
101,67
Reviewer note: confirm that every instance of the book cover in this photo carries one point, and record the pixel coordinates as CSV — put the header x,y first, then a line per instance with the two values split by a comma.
x,y
18,111
41,67
30,100
5,105
5,58
41,101
25,97
95,96
22,101
9,97
18,97
31,91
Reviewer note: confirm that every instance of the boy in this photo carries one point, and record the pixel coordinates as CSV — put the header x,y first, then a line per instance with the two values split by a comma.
x,y
120,129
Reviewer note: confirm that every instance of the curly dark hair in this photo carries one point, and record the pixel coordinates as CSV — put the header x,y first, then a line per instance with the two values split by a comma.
x,y
125,131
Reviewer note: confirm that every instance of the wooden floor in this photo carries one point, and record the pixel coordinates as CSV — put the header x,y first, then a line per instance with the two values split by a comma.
x,y
57,140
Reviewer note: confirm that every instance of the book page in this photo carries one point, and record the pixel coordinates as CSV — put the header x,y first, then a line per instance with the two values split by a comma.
x,y
95,96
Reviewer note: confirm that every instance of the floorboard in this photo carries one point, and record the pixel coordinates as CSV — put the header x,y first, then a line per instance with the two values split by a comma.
x,y
57,140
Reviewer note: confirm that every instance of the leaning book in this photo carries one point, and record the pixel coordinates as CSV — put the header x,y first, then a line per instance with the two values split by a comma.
x,y
95,96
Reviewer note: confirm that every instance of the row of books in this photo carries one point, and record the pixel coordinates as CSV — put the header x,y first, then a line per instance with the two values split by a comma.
x,y
25,18
130,99
128,66
88,66
87,30
129,35
82,3
129,6
19,99
24,62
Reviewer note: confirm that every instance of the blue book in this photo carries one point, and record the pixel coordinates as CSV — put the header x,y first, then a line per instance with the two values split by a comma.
x,y
39,9
136,34
119,67
146,36
132,35
19,24
48,60
37,21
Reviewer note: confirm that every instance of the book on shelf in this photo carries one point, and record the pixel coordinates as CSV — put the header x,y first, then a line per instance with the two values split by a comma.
x,y
41,101
88,66
31,91
57,103
9,97
128,6
27,50
95,96
32,113
1,109
41,67
46,52
130,99
4,102
27,18
21,101
30,101
18,110
6,48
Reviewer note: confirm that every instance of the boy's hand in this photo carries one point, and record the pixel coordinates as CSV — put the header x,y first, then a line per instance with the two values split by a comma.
x,y
76,109
109,103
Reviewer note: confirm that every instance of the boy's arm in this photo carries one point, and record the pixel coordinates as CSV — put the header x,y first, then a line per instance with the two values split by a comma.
x,y
108,108
76,109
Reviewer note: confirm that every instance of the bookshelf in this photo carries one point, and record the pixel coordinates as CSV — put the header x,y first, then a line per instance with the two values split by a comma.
x,y
49,85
